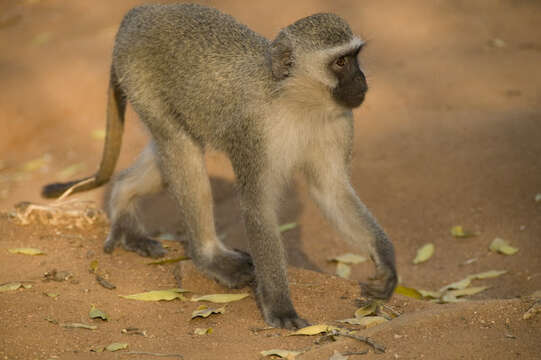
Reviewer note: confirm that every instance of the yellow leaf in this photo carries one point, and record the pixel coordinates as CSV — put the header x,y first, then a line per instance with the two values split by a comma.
x,y
221,298
26,251
502,246
370,321
409,292
366,310
206,312
116,346
352,321
314,330
343,270
468,291
449,298
52,295
157,295
284,354
349,258
201,331
488,274
459,232
10,286
424,253
93,266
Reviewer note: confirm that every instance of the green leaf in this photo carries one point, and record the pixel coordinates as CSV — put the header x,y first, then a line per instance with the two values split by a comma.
x,y
424,253
220,298
168,261
409,292
203,311
97,313
502,246
116,346
26,251
287,227
349,258
157,295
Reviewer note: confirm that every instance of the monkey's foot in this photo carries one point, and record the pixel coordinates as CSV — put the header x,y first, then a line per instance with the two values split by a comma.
x,y
231,268
143,246
382,286
286,320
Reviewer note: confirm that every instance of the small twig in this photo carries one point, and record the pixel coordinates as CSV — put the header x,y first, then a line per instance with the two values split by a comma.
x,y
152,354
377,347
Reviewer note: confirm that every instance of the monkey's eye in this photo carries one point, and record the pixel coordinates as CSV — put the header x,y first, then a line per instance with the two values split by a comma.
x,y
341,61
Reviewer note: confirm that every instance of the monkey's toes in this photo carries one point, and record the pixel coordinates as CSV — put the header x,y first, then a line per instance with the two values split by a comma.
x,y
380,289
287,321
144,246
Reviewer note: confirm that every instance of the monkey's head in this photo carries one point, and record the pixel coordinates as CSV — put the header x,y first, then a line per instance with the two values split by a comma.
x,y
321,48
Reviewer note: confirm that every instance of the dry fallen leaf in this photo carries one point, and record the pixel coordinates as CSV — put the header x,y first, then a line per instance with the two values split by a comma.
x,y
487,274
93,267
430,294
51,295
116,346
502,246
284,354
370,321
79,326
202,331
534,309
97,314
337,356
457,285
467,292
424,253
98,134
10,286
349,258
203,311
538,197
26,251
220,298
459,232
314,330
343,270
366,310
157,295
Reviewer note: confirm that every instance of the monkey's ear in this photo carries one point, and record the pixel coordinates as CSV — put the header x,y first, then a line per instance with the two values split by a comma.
x,y
281,56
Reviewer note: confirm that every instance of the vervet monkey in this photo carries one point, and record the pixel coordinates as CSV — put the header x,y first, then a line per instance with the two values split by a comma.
x,y
197,78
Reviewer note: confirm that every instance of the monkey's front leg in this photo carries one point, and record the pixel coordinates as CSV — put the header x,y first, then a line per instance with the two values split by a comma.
x,y
333,193
272,292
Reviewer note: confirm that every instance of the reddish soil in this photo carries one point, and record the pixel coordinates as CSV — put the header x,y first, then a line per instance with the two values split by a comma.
x,y
450,134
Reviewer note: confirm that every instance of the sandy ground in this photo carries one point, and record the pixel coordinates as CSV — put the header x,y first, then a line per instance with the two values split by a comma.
x,y
450,134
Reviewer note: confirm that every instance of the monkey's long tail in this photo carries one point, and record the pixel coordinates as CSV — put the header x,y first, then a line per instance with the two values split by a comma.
x,y
116,108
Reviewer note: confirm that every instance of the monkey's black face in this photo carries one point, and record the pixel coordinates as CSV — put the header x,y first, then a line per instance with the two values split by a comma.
x,y
352,86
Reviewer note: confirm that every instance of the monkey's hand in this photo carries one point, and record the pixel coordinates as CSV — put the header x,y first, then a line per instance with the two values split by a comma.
x,y
382,286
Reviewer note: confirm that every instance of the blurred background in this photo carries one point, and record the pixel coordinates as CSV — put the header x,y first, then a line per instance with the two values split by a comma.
x,y
450,133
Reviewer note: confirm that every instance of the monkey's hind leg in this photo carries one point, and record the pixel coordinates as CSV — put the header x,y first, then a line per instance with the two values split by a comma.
x,y
182,163
142,178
